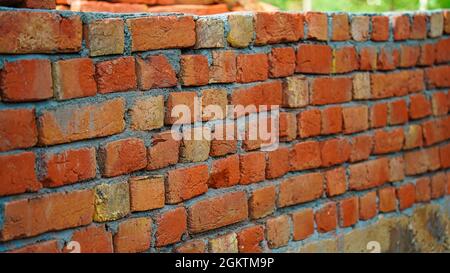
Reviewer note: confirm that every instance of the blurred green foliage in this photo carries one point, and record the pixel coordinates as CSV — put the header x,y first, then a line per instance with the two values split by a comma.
x,y
359,5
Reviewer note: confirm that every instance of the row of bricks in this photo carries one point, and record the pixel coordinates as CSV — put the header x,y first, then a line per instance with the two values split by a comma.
x,y
38,79
160,32
131,154
22,129
135,234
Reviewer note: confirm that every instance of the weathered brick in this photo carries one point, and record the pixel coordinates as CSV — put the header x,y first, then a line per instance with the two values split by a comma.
x,y
295,92
303,224
210,33
409,56
116,75
39,32
26,80
74,78
356,119
309,123
196,246
401,27
300,189
50,212
423,189
305,155
50,246
345,59
171,226
184,102
195,145
194,70
94,239
262,202
278,231
326,217
224,139
158,32
147,113
186,183
224,244
436,25
314,59
223,66
164,150
224,172
241,30
361,147
217,212
146,193
249,239
369,174
317,23
368,58
133,235
155,71
413,137
17,129
281,62
361,86
214,104
360,28
419,27
396,169
342,90
276,27
420,161
439,103
388,58
252,67
18,173
105,37
68,166
123,156
340,27
112,201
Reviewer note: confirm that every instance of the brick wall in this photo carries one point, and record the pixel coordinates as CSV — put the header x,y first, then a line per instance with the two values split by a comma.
x,y
86,152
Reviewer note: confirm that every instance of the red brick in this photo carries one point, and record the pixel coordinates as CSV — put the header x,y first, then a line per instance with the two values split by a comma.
x,y
361,147
276,27
396,169
368,206
368,58
331,120
439,103
17,129
442,51
348,211
249,239
116,75
224,172
420,161
278,231
406,196
315,59
444,152
281,62
427,54
287,126
42,247
379,115
217,212
334,151
413,137
146,192
326,217
356,119
419,27
369,174
223,67
388,141
336,181
264,94
340,27
49,213
186,183
38,4
345,59
103,6
158,32
342,90
309,123
438,185
262,202
300,189
252,67
401,27
380,28
184,99
224,139
253,166
419,106
194,70
434,131
446,21
317,23
171,226
94,239
388,58
397,83
77,122
438,76
123,156
388,200
68,72
398,112
17,174
26,80
303,224
196,246
133,235
69,166
277,163
39,32
423,189
409,55
155,72
305,155
164,151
